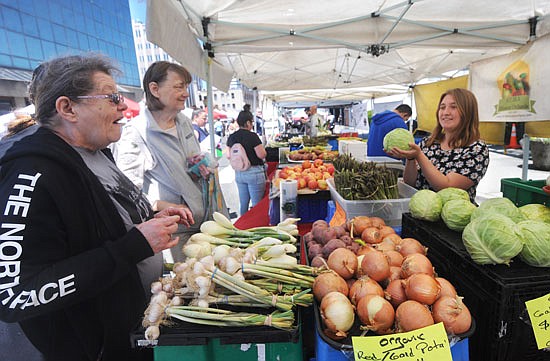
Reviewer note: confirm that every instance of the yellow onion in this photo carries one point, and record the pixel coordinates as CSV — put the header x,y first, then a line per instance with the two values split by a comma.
x,y
327,282
395,273
376,266
375,313
395,293
412,315
343,261
422,288
447,288
386,231
416,263
385,245
395,258
411,245
394,237
337,313
362,287
377,222
371,235
358,225
453,313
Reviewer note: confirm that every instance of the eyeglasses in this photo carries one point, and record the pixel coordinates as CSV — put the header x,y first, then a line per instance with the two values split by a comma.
x,y
116,98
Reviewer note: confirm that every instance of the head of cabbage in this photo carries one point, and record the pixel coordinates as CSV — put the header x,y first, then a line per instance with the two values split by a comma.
x,y
536,243
492,239
456,213
536,212
502,206
450,193
398,138
426,205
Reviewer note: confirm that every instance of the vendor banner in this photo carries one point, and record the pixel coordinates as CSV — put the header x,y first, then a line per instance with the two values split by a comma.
x,y
512,87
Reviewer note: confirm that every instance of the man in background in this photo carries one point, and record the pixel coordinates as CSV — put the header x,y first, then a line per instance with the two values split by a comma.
x,y
383,123
314,123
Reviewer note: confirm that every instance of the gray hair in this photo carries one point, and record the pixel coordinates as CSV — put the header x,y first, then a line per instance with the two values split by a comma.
x,y
69,76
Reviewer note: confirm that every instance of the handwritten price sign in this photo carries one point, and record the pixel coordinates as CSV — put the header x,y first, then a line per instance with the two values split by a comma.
x,y
539,313
425,344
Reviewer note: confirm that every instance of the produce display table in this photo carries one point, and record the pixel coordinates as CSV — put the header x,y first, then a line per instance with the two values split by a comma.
x,y
495,294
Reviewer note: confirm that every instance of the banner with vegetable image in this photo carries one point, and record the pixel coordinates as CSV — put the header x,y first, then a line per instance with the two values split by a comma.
x,y
513,87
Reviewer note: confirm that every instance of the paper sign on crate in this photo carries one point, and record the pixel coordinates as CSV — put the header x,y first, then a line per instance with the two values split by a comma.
x,y
425,344
539,313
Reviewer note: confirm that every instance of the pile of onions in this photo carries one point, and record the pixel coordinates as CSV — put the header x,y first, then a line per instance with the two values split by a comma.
x,y
362,287
376,313
416,263
412,315
337,313
389,282
376,266
453,313
328,282
343,261
422,288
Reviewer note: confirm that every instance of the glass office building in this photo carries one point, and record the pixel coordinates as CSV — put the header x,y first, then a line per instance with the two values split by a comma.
x,y
32,31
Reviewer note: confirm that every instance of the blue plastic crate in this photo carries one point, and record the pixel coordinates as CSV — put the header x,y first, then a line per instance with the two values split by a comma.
x,y
325,352
310,207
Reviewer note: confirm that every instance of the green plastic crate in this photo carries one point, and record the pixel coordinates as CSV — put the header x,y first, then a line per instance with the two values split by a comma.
x,y
524,192
213,350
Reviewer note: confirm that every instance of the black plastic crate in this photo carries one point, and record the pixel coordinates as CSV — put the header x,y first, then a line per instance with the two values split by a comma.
x,y
186,334
495,294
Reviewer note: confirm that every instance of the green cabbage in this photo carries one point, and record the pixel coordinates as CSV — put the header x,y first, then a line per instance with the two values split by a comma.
x,y
398,138
450,193
502,206
536,212
492,239
456,213
536,243
425,204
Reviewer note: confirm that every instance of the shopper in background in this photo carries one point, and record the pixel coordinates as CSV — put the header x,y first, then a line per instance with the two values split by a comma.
x,y
251,182
314,123
199,120
383,123
158,151
75,228
453,155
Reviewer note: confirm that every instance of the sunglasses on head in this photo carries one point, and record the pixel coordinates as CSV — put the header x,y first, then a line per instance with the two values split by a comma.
x,y
116,98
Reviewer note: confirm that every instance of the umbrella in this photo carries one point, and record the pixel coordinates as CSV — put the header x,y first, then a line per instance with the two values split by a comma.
x,y
133,108
218,114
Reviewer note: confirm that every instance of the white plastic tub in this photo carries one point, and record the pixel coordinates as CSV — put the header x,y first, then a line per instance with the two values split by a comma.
x,y
390,210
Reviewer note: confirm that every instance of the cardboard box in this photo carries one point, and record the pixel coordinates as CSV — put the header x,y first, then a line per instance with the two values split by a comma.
x,y
356,148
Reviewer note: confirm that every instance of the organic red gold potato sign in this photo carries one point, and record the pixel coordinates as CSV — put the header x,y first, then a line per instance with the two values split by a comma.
x,y
425,344
539,313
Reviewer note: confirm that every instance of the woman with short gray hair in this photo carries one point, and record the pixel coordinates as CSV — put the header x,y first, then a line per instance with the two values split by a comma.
x,y
74,227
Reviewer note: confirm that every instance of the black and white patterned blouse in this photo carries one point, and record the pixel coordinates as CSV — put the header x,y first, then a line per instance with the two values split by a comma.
x,y
471,161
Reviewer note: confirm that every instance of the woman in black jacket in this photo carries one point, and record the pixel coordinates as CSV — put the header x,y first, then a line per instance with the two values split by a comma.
x,y
75,232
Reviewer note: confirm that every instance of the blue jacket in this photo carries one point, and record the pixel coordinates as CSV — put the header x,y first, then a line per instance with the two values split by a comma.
x,y
382,124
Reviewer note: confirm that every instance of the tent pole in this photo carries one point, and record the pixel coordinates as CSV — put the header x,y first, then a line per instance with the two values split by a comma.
x,y
210,105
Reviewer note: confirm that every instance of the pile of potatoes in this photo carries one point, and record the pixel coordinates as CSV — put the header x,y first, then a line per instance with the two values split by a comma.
x,y
358,232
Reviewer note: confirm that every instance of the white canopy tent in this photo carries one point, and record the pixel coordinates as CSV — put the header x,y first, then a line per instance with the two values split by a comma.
x,y
324,49
291,45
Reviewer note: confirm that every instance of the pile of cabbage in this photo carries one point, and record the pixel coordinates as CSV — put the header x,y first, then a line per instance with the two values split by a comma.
x,y
493,233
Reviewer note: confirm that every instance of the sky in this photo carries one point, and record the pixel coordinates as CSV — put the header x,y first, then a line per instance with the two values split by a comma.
x,y
138,9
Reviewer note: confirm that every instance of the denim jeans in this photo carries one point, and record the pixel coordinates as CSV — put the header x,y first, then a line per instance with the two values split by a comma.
x,y
251,186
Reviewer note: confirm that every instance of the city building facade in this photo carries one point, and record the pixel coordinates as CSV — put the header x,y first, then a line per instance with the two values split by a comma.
x,y
32,31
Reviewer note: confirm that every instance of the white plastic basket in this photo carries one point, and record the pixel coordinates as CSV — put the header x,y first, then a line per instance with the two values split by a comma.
x,y
390,210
